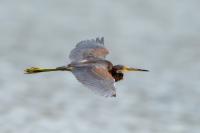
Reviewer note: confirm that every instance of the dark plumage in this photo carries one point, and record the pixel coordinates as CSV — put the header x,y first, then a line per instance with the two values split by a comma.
x,y
116,75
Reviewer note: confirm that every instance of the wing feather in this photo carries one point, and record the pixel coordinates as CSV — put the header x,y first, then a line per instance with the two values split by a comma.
x,y
89,49
97,79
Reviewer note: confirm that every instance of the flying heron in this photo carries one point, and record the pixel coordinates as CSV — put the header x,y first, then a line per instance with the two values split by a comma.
x,y
89,66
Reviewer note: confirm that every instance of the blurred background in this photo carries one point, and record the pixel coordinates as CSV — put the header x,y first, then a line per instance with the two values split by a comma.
x,y
162,36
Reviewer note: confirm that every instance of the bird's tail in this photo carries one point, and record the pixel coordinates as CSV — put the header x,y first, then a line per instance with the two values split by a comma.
x,y
33,70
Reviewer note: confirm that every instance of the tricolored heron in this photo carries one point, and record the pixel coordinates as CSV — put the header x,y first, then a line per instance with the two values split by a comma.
x,y
89,66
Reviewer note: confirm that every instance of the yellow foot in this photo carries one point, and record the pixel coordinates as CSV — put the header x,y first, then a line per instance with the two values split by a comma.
x,y
33,70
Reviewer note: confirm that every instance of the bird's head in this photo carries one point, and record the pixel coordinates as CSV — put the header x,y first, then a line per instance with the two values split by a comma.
x,y
123,69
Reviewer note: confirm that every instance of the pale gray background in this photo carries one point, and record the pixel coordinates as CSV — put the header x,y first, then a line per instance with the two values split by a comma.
x,y
162,36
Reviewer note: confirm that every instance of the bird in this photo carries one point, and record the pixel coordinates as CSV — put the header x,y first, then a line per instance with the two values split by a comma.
x,y
90,67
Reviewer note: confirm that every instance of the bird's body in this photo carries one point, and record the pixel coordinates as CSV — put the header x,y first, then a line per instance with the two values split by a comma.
x,y
89,66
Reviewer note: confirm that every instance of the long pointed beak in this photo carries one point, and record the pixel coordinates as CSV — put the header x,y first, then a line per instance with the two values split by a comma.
x,y
134,69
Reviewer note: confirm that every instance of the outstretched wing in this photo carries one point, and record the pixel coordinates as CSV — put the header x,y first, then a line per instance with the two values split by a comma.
x,y
89,49
98,79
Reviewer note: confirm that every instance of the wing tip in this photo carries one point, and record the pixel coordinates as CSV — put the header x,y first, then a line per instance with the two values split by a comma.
x,y
113,95
100,40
